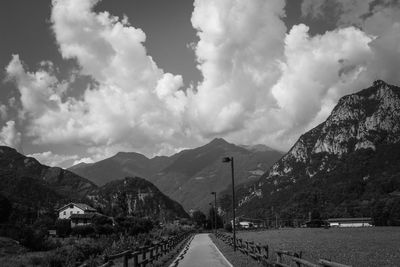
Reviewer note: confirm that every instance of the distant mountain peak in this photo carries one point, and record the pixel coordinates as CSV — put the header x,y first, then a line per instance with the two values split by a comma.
x,y
379,83
219,141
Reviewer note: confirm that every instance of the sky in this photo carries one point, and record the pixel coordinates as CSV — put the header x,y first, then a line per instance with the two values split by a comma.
x,y
84,79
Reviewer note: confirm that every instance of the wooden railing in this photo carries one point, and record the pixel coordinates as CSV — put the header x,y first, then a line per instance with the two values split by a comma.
x,y
283,258
148,254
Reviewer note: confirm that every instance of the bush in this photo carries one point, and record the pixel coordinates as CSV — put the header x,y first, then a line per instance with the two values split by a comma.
x,y
82,230
228,227
104,229
63,227
133,226
5,209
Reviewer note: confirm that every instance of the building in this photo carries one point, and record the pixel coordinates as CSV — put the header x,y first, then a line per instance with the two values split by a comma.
x,y
68,210
78,219
350,222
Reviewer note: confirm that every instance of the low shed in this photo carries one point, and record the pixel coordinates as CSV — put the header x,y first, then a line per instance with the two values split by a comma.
x,y
350,222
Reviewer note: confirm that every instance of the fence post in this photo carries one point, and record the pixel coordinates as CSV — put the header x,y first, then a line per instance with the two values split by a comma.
x,y
151,254
266,251
144,252
126,260
135,259
279,257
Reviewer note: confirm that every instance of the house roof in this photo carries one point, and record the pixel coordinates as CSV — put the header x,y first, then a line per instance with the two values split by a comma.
x,y
82,206
363,219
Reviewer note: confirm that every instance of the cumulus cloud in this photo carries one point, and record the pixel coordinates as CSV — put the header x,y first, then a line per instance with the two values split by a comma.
x,y
316,71
50,159
380,19
347,12
10,136
261,84
133,102
3,112
240,44
83,160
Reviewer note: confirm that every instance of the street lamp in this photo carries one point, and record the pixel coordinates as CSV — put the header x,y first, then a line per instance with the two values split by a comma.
x,y
215,210
226,160
212,208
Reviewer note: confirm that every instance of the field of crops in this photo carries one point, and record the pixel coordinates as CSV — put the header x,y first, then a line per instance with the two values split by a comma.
x,y
370,246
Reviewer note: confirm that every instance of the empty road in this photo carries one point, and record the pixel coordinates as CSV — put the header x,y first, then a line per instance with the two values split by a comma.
x,y
202,252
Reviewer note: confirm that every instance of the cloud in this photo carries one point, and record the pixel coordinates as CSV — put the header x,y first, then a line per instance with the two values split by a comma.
x,y
316,71
10,136
50,159
83,160
380,19
238,51
261,84
132,103
3,112
346,12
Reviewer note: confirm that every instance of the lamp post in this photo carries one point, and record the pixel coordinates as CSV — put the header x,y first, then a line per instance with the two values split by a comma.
x,y
226,160
215,210
212,208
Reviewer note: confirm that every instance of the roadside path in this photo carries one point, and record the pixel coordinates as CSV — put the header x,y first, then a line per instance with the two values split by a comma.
x,y
201,252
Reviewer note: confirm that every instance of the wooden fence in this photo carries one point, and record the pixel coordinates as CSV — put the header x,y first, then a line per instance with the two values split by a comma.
x,y
283,258
149,254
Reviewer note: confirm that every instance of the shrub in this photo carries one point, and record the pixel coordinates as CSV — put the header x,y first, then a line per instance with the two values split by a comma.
x,y
63,227
228,227
104,229
133,226
5,209
82,230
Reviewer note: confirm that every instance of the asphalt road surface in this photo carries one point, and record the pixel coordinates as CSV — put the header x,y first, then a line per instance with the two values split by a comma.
x,y
202,252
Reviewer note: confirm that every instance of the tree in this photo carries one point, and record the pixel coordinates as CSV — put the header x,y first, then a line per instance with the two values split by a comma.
x,y
199,218
211,219
5,209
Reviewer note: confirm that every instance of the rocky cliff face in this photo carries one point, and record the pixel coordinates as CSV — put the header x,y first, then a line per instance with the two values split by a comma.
x,y
359,121
364,122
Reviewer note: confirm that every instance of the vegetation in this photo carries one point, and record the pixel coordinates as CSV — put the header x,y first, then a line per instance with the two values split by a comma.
x,y
199,218
368,247
364,183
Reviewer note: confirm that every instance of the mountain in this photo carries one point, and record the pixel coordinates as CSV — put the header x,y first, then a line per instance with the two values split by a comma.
x,y
119,166
136,196
31,187
348,165
190,175
195,173
17,171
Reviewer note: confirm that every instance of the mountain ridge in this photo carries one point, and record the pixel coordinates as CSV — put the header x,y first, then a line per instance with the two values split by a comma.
x,y
200,168
361,126
33,187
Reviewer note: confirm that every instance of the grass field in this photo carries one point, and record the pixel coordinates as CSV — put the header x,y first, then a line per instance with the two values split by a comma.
x,y
372,246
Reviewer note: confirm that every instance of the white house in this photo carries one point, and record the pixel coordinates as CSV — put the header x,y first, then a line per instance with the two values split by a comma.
x,y
350,222
66,211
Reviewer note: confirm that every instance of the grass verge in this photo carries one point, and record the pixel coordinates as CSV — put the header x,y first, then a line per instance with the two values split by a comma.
x,y
237,259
